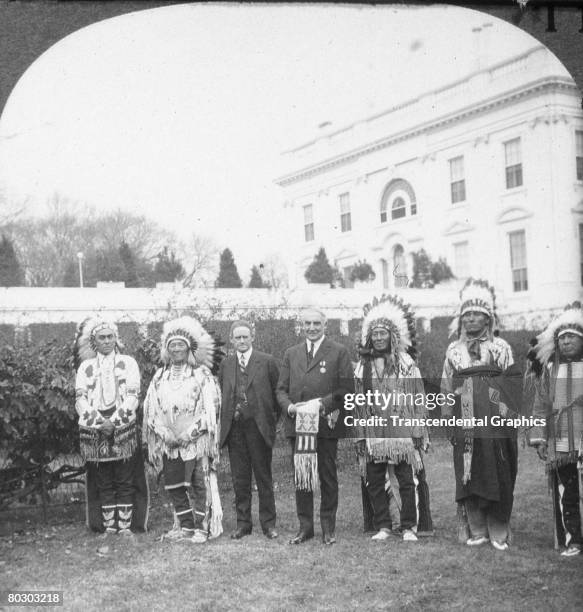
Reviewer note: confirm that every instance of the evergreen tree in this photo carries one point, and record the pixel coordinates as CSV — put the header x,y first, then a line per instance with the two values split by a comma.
x,y
320,270
421,268
167,268
71,276
129,262
440,271
11,274
228,275
256,281
427,273
105,266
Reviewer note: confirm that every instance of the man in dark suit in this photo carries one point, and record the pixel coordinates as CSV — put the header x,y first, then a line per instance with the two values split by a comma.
x,y
318,368
249,414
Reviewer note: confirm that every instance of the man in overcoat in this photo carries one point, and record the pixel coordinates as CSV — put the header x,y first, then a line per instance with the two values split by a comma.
x,y
315,376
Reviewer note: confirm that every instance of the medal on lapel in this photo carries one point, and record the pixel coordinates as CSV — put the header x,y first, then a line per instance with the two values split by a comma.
x,y
322,367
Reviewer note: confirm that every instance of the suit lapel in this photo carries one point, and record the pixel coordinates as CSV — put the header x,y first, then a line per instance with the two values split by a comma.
x,y
320,354
231,373
252,365
302,356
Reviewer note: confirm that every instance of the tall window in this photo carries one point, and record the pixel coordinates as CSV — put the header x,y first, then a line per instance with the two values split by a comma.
x,y
345,219
385,269
513,157
456,176
384,212
400,278
518,260
309,223
346,272
461,259
579,154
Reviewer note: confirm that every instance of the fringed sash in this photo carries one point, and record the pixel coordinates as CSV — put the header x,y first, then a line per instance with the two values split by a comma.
x,y
565,424
306,456
486,391
96,446
467,413
388,442
214,507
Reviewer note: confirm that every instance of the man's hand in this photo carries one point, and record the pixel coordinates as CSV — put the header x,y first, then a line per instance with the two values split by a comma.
x,y
107,428
202,425
542,450
291,410
170,440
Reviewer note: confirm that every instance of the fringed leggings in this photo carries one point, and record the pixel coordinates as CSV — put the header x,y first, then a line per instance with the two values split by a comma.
x,y
178,476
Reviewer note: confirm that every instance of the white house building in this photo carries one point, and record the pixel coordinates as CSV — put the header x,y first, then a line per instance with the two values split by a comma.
x,y
486,171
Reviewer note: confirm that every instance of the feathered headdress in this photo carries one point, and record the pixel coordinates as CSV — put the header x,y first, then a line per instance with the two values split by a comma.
x,y
84,347
203,347
569,321
391,313
477,295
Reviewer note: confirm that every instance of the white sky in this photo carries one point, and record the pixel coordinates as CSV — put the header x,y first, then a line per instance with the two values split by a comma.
x,y
182,112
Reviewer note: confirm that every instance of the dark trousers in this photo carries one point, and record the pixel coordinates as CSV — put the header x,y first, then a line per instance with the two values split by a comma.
x,y
327,450
178,474
115,482
569,478
249,453
375,475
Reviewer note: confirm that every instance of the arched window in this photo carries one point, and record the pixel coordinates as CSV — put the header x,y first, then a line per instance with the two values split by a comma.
x,y
398,208
398,198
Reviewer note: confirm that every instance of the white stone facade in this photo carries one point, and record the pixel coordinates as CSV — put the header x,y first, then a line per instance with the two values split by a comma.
x,y
518,128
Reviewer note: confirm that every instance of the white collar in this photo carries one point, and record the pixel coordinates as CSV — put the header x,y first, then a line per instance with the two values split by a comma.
x,y
246,355
315,344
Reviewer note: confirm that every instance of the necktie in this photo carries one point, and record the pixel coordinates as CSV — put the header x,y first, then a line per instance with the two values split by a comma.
x,y
310,352
242,363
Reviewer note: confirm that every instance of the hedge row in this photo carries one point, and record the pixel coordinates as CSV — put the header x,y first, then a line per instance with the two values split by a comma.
x,y
37,415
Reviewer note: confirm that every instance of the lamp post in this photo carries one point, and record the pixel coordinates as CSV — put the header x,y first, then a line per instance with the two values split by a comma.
x,y
80,258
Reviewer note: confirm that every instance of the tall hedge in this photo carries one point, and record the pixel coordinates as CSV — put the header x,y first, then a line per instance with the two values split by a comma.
x,y
37,398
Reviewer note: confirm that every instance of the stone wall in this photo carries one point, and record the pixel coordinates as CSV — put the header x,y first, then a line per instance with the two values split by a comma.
x,y
32,309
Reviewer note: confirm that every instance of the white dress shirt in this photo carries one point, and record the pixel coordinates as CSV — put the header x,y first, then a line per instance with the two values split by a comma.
x,y
246,356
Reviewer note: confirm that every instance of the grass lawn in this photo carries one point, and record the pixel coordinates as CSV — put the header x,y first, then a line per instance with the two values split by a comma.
x,y
256,574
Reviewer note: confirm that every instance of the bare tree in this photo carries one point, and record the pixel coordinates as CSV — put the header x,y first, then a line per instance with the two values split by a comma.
x,y
10,211
274,271
47,245
145,237
201,261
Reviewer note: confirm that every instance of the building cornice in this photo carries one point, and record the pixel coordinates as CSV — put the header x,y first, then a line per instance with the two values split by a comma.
x,y
550,84
513,213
